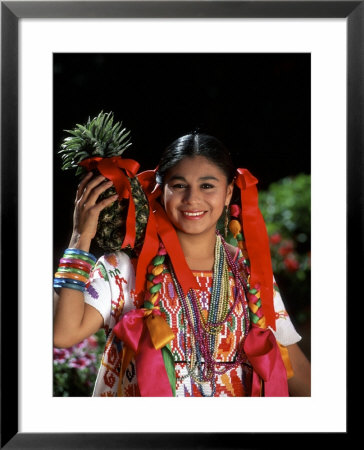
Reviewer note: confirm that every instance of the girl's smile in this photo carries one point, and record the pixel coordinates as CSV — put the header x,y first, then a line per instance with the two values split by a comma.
x,y
194,196
193,215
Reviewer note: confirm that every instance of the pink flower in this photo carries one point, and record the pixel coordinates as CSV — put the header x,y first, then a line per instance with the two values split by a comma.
x,y
286,247
291,264
90,356
81,344
275,238
92,342
79,363
60,355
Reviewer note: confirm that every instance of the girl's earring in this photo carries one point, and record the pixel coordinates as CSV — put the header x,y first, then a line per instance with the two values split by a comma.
x,y
226,220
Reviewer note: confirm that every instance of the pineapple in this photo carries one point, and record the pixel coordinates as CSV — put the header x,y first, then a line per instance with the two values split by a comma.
x,y
100,137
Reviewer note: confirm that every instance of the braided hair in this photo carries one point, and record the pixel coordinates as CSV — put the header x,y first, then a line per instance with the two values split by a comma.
x,y
200,144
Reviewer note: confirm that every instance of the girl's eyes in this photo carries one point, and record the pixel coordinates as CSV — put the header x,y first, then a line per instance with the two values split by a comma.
x,y
184,186
178,186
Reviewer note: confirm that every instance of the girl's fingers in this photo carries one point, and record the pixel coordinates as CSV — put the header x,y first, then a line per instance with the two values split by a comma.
x,y
97,191
94,211
106,202
89,186
86,215
81,186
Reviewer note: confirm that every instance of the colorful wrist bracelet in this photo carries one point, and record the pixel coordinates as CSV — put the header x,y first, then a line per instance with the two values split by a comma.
x,y
69,281
80,254
66,269
71,275
78,257
70,286
78,262
74,269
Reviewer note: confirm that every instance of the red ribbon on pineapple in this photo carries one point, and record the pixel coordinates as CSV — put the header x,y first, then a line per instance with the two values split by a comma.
x,y
113,169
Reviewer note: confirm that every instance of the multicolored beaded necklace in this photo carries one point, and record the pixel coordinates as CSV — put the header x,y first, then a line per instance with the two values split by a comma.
x,y
201,355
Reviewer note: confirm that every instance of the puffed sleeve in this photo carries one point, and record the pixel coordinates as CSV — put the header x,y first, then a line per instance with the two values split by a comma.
x,y
285,332
110,287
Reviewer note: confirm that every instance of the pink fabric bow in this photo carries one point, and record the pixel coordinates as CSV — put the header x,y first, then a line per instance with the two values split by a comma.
x,y
152,376
269,374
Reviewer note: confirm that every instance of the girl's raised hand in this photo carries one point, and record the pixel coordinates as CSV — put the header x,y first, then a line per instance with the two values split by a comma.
x,y
87,210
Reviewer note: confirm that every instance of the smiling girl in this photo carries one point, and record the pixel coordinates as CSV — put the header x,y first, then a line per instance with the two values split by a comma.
x,y
190,315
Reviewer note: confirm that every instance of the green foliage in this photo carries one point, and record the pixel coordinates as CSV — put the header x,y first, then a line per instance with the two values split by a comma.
x,y
75,368
286,208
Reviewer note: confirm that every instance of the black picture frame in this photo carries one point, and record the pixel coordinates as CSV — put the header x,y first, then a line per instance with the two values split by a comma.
x,y
11,12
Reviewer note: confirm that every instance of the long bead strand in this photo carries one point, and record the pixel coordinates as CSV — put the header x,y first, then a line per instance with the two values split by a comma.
x,y
203,334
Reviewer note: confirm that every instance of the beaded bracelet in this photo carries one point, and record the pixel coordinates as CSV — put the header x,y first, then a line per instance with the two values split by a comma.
x,y
74,269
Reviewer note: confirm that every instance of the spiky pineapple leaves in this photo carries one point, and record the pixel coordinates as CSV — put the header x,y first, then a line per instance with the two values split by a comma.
x,y
102,137
98,137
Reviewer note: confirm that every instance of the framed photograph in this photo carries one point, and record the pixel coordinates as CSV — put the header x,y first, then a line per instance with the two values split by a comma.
x,y
314,49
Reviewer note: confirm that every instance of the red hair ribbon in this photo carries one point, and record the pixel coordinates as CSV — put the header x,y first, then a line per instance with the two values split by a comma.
x,y
113,168
145,331
159,225
257,242
151,241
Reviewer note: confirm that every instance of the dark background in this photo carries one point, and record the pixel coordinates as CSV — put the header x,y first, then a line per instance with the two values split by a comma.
x,y
258,105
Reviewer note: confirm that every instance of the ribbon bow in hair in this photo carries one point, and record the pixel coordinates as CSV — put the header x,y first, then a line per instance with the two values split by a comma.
x,y
257,242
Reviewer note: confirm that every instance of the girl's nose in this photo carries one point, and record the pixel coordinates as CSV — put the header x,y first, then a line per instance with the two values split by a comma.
x,y
191,195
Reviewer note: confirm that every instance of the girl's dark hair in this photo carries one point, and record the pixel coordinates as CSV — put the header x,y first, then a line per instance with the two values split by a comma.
x,y
196,144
